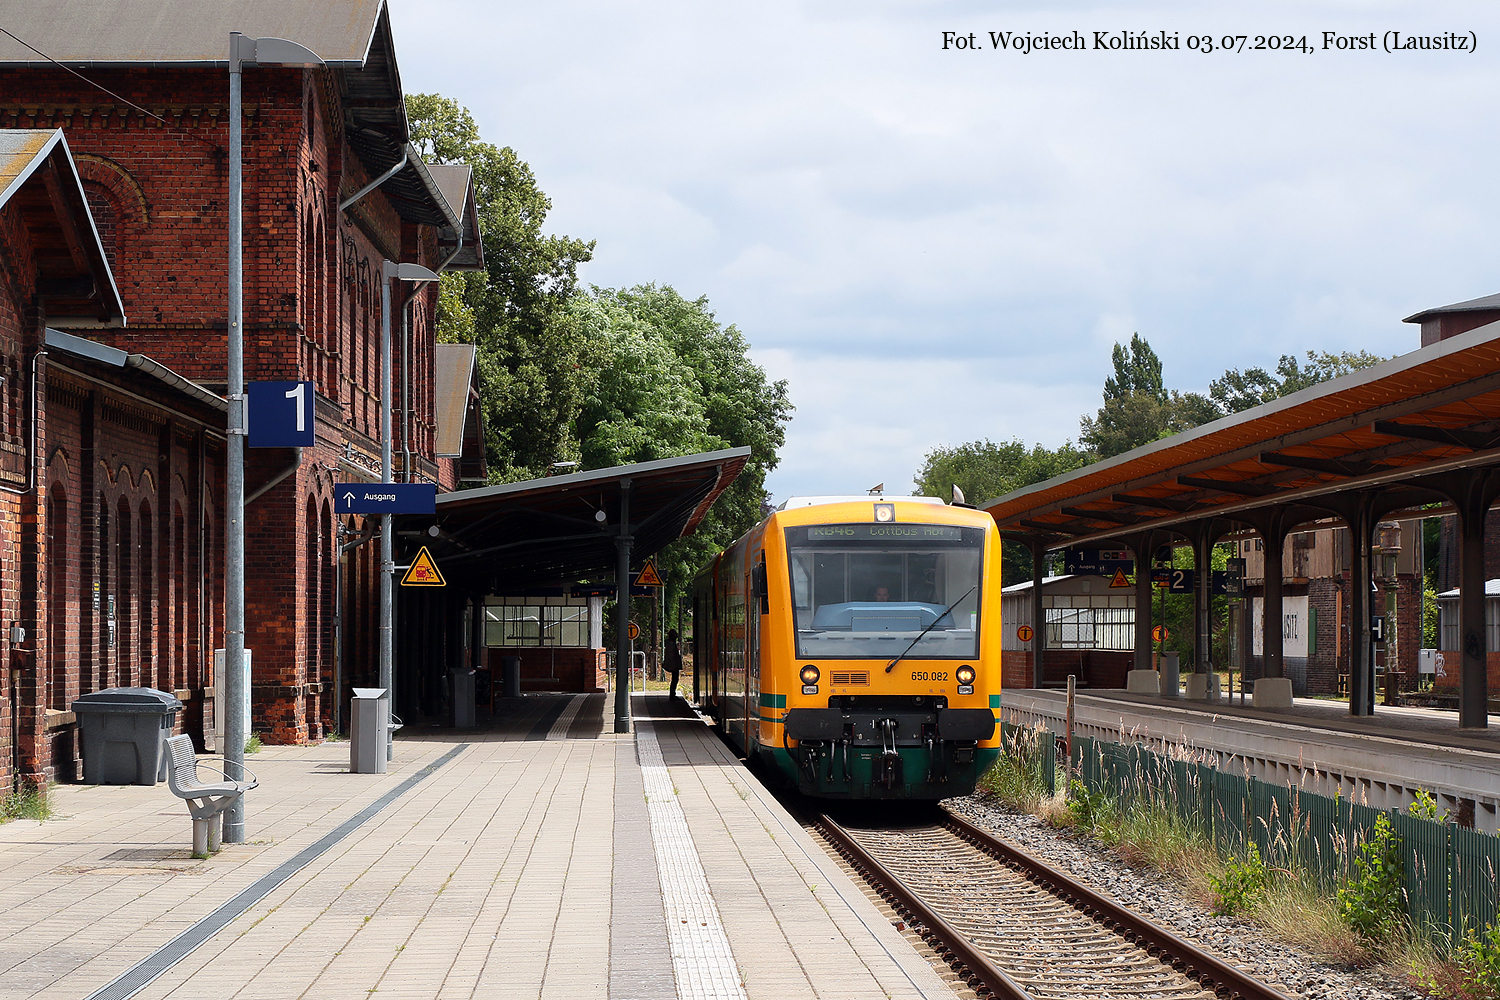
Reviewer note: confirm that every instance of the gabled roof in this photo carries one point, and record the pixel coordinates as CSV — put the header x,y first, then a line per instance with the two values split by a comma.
x,y
460,417
460,244
39,179
352,37
60,343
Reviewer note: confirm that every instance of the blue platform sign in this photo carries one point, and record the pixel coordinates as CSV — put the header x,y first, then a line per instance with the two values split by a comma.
x,y
280,414
385,498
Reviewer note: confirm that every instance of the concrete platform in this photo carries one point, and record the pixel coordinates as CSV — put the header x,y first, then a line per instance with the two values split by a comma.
x,y
539,857
1382,761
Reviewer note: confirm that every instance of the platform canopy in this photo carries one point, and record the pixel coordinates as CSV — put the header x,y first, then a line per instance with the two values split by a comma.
x,y
1395,427
543,532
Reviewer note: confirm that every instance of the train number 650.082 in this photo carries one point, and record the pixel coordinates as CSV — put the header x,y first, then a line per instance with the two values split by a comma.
x,y
929,675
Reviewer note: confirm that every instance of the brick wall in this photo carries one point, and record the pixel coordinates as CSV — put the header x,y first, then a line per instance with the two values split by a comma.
x,y
312,312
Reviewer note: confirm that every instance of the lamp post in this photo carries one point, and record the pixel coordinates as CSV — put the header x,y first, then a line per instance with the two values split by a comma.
x,y
234,686
389,271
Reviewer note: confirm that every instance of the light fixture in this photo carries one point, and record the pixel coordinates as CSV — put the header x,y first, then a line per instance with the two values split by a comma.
x,y
810,674
965,674
885,513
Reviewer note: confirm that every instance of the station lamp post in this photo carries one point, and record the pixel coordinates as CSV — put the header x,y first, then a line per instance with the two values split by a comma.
x,y
233,687
390,271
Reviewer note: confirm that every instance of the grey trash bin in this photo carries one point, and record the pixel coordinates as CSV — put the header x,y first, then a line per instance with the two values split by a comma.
x,y
124,733
369,724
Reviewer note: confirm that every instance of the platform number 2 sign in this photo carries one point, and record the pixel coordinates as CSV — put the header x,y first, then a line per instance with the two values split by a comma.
x,y
281,414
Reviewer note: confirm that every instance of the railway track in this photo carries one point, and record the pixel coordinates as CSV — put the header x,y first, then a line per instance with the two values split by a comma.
x,y
1017,929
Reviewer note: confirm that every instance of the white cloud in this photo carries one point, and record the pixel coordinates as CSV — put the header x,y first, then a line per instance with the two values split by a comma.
x,y
972,231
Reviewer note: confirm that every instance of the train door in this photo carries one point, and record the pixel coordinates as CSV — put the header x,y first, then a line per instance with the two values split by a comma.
x,y
755,589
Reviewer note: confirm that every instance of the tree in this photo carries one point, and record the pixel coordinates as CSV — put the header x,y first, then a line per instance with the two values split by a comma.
x,y
533,360
1137,409
673,381
985,471
1238,390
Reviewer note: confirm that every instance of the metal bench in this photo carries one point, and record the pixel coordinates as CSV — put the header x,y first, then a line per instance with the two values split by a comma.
x,y
206,802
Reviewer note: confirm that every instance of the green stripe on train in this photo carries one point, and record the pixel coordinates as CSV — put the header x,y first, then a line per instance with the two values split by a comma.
x,y
773,701
994,701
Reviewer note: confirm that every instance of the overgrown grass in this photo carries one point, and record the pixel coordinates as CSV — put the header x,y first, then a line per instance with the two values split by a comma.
x,y
1358,922
27,802
253,744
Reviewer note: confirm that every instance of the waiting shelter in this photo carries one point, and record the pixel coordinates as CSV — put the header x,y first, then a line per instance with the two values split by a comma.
x,y
527,567
1416,436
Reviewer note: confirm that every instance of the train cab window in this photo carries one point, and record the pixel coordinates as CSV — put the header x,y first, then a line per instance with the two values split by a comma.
x,y
869,590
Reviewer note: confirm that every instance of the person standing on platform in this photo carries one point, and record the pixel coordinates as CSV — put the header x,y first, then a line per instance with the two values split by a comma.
x,y
671,660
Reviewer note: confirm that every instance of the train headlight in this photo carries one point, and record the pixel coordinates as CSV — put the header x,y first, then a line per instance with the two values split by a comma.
x,y
810,674
965,674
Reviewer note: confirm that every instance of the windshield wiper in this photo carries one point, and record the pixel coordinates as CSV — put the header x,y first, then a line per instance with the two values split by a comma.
x,y
892,665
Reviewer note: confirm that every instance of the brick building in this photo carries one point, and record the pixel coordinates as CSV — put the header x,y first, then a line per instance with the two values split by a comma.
x,y
128,512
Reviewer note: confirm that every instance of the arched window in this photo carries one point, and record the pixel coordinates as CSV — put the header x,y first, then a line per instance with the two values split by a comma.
x,y
58,617
146,601
104,615
180,598
124,600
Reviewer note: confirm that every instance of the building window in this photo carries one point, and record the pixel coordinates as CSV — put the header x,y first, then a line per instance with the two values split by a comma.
x,y
516,623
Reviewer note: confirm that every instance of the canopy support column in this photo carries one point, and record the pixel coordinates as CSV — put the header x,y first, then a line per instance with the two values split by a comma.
x,y
622,614
1472,492
1038,613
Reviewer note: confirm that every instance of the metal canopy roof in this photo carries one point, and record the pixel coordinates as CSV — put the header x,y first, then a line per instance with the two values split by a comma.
x,y
352,37
74,281
544,531
1434,410
461,244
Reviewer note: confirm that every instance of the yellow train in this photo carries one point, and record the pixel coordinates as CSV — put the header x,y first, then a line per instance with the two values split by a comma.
x,y
853,645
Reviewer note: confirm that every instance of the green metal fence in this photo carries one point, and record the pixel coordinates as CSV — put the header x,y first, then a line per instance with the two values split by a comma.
x,y
1450,872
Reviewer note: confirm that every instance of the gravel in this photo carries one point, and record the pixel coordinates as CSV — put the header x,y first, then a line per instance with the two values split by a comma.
x,y
1149,893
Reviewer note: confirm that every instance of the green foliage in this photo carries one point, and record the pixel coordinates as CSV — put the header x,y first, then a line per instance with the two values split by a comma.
x,y
1478,955
253,743
1137,372
1137,407
1090,810
1370,902
1426,807
534,365
1238,390
1242,884
985,470
1019,776
1429,614
26,802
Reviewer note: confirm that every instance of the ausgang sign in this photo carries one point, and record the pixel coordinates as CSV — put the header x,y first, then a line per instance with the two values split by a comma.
x,y
385,498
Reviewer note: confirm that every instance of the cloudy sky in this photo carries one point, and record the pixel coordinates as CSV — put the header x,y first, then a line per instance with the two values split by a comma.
x,y
938,246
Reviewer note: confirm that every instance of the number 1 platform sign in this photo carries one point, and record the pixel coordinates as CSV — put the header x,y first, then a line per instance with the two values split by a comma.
x,y
280,414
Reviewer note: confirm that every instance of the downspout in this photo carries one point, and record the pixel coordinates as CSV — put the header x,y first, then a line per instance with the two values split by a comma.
x,y
356,196
31,453
276,479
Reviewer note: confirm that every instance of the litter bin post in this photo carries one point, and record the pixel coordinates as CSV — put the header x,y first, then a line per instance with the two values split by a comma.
x,y
369,724
124,731
511,666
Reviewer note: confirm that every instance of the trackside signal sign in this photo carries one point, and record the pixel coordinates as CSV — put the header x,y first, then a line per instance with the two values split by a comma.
x,y
648,577
423,572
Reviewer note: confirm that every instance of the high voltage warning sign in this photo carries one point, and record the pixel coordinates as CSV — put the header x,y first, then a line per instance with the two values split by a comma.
x,y
423,572
648,576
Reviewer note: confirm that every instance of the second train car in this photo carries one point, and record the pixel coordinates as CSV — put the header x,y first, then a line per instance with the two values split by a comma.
x,y
853,645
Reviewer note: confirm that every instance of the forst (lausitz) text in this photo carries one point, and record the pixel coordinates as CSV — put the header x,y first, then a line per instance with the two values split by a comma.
x,y
1162,40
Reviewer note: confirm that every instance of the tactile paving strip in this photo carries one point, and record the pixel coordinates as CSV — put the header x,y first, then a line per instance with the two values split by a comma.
x,y
559,730
701,956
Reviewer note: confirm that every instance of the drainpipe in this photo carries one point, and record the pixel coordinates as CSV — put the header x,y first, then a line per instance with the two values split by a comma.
x,y
31,453
356,196
276,479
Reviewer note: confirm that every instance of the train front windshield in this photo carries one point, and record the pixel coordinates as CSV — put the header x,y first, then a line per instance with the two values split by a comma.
x,y
867,591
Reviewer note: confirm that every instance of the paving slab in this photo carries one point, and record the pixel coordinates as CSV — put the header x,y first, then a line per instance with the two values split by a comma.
x,y
539,857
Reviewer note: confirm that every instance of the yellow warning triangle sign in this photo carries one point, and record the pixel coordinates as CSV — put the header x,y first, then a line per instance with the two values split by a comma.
x,y
648,576
423,572
1118,581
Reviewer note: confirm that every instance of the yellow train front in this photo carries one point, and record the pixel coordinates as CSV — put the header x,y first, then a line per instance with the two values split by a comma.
x,y
853,645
